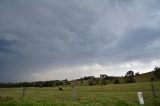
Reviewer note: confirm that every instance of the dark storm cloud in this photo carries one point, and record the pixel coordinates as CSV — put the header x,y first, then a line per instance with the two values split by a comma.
x,y
5,46
36,35
136,45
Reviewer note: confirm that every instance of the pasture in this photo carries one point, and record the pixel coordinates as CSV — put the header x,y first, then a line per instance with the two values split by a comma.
x,y
108,95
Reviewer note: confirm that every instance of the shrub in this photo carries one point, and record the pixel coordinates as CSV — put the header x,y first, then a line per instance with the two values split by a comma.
x,y
116,81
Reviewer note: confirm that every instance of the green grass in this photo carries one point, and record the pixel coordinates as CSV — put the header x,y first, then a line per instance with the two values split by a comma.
x,y
109,95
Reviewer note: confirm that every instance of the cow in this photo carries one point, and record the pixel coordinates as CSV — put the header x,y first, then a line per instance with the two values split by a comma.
x,y
60,88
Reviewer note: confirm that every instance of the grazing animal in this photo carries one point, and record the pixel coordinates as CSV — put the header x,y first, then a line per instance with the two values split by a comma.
x,y
60,88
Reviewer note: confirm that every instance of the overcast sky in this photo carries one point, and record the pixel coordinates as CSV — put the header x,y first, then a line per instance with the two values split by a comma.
x,y
68,39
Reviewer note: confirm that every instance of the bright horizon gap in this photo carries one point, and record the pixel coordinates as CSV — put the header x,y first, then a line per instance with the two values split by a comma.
x,y
94,70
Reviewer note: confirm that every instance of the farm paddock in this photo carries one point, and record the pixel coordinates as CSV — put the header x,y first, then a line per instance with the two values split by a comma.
x,y
108,95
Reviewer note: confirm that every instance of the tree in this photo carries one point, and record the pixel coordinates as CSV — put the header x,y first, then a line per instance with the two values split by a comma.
x,y
156,72
81,80
129,77
91,82
116,81
152,78
137,74
103,82
66,82
102,79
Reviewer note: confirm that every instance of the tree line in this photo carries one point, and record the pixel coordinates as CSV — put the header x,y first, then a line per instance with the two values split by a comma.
x,y
51,83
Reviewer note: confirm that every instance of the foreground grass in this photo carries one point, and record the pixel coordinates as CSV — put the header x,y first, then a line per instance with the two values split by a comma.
x,y
109,95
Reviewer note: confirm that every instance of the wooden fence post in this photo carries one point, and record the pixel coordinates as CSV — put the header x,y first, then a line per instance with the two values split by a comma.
x,y
23,92
74,96
153,90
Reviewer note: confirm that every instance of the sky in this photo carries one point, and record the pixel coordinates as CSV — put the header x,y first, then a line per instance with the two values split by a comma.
x,y
69,39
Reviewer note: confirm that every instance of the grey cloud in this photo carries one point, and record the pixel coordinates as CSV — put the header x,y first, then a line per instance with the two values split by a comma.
x,y
139,39
5,46
36,35
137,42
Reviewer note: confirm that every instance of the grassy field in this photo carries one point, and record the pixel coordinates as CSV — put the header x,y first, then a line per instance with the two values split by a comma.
x,y
109,95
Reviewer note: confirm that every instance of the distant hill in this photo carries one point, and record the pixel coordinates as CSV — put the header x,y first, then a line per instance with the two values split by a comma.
x,y
144,77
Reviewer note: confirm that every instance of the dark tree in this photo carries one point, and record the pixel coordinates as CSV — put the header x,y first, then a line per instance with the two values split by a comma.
x,y
81,80
91,82
66,82
156,72
129,77
116,81
152,78
137,74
